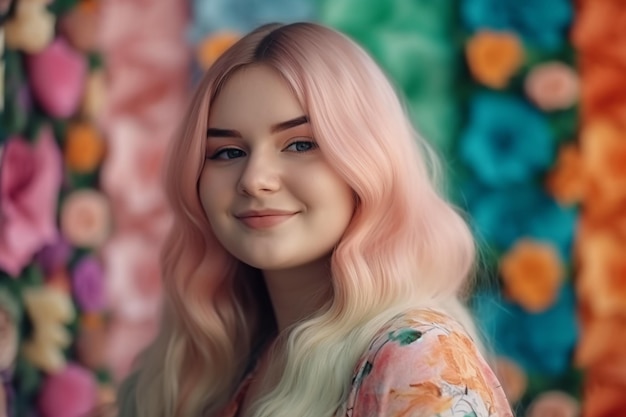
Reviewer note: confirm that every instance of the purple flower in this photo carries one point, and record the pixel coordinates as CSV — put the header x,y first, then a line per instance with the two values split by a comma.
x,y
54,256
88,285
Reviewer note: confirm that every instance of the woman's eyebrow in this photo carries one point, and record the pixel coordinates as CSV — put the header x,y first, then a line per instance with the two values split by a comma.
x,y
222,133
278,127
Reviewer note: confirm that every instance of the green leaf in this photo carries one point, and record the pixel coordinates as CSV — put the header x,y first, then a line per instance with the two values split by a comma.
x,y
367,369
60,7
405,336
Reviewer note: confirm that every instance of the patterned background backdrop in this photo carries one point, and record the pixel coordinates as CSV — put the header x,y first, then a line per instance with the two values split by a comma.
x,y
524,99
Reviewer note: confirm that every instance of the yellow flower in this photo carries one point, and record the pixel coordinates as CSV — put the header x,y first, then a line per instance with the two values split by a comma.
x,y
49,310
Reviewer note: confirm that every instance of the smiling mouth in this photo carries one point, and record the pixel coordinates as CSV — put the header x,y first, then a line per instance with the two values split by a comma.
x,y
265,221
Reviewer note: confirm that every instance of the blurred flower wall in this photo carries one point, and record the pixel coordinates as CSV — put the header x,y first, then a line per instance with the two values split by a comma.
x,y
524,100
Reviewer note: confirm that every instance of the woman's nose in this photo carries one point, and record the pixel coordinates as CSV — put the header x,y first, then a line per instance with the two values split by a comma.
x,y
260,176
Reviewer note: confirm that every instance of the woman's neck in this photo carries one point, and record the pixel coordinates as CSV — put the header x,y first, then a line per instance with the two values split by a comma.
x,y
298,293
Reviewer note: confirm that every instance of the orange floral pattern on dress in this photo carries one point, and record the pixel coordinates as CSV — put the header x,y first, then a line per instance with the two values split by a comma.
x,y
424,364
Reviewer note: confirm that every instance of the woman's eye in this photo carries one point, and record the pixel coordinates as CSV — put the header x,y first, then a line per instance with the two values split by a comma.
x,y
301,146
228,153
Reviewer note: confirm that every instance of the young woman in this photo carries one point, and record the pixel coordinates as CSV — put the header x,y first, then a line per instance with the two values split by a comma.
x,y
312,268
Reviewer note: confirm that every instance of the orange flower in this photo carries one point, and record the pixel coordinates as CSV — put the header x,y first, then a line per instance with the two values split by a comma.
x,y
603,92
567,181
603,398
80,25
493,57
600,29
84,148
89,5
532,273
601,341
611,366
552,86
603,147
213,46
602,277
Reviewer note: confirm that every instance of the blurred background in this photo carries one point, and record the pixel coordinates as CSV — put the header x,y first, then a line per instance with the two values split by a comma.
x,y
525,101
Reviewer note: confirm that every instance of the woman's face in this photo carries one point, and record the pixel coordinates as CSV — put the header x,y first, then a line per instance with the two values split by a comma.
x,y
272,199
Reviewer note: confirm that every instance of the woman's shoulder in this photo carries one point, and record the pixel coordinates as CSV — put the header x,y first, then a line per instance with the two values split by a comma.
x,y
425,318
424,363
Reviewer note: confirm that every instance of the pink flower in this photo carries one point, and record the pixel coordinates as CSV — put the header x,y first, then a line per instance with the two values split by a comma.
x,y
134,293
57,77
552,86
554,404
133,276
514,379
30,180
125,340
73,392
86,218
131,175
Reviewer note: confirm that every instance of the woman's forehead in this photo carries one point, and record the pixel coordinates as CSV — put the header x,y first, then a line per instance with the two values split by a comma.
x,y
253,96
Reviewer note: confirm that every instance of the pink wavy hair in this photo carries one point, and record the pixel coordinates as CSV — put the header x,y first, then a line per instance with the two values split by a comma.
x,y
405,246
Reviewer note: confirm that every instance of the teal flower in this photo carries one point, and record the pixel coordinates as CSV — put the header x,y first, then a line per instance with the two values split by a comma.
x,y
244,15
501,217
507,141
539,342
540,22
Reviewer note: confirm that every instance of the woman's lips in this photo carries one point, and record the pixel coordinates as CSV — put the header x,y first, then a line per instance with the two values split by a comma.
x,y
265,221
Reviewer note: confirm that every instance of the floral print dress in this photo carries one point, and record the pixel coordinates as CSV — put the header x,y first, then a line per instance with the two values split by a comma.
x,y
421,364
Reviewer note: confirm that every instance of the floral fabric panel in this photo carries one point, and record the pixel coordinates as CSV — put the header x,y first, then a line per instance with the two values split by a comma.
x,y
423,364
